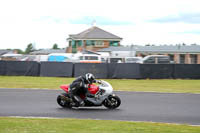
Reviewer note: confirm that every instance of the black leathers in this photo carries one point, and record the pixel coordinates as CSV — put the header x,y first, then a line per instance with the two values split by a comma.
x,y
78,86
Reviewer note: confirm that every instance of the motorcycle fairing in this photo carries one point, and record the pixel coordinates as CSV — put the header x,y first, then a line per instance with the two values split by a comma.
x,y
93,89
97,101
65,87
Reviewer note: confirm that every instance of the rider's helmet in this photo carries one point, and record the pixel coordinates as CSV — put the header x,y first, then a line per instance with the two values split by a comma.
x,y
89,78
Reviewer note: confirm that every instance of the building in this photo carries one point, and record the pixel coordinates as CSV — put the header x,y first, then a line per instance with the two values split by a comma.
x,y
3,54
183,54
92,39
48,51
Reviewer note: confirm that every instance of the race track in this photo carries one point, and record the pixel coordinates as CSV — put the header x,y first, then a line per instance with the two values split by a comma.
x,y
136,106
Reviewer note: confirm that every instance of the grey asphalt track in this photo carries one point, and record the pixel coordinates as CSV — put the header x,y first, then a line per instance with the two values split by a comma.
x,y
136,106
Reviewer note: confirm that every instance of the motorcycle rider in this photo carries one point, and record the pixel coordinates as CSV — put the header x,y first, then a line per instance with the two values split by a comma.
x,y
80,85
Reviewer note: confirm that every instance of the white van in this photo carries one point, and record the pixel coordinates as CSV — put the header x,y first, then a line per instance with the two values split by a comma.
x,y
40,58
133,59
90,58
156,59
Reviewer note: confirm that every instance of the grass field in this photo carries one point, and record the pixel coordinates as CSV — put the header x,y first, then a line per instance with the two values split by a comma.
x,y
38,125
164,85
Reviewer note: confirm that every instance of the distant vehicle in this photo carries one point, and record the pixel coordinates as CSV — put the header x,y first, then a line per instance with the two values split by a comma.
x,y
28,58
104,56
90,58
115,60
40,58
156,59
133,59
103,60
59,57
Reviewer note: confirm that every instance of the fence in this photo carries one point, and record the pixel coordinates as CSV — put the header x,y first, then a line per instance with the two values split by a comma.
x,y
101,70
19,68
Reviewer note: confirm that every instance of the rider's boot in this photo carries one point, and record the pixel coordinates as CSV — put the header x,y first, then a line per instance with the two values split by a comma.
x,y
82,103
73,101
79,101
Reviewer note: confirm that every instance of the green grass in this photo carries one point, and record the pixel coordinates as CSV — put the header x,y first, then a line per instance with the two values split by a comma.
x,y
38,125
164,85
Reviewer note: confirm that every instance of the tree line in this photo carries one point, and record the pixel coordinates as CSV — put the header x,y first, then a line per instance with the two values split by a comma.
x,y
30,48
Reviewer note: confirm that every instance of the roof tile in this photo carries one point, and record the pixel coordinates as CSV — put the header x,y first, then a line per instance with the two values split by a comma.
x,y
95,33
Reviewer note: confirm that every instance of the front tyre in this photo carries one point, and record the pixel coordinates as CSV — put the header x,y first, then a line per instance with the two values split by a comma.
x,y
112,102
63,100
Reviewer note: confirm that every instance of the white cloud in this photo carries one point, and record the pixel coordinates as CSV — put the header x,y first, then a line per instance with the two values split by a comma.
x,y
45,22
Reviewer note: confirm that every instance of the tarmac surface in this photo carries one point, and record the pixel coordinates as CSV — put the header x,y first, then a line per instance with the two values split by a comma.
x,y
136,106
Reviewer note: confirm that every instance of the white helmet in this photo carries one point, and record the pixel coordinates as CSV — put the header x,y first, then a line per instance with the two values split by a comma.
x,y
89,78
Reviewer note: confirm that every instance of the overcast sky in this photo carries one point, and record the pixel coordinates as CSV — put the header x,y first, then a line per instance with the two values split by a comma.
x,y
46,22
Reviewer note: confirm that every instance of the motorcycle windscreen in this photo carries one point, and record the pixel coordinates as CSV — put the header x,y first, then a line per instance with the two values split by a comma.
x,y
93,89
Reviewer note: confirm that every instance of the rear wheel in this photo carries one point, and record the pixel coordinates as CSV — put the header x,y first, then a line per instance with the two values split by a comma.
x,y
112,102
63,100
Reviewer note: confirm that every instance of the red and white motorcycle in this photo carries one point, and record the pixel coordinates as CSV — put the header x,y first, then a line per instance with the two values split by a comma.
x,y
103,95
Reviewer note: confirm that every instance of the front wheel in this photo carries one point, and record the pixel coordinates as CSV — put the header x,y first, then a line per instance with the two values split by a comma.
x,y
112,102
63,100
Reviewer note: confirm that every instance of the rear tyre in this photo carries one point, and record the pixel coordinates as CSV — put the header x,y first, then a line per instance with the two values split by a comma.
x,y
112,102
64,100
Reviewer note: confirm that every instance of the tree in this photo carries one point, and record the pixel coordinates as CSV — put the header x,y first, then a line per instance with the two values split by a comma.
x,y
29,48
148,45
183,44
19,51
55,46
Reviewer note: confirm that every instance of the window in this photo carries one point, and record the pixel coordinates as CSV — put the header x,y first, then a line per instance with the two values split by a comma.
x,y
114,43
115,60
150,60
171,56
91,58
132,59
193,58
73,44
99,43
103,60
81,58
94,43
79,43
70,43
88,58
89,42
164,60
182,59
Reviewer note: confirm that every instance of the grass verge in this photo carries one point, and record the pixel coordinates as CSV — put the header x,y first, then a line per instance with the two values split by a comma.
x,y
38,125
164,85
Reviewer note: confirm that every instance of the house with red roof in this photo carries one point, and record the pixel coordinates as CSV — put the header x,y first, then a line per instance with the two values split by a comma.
x,y
92,39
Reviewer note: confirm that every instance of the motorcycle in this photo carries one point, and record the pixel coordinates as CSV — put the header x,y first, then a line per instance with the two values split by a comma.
x,y
103,95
